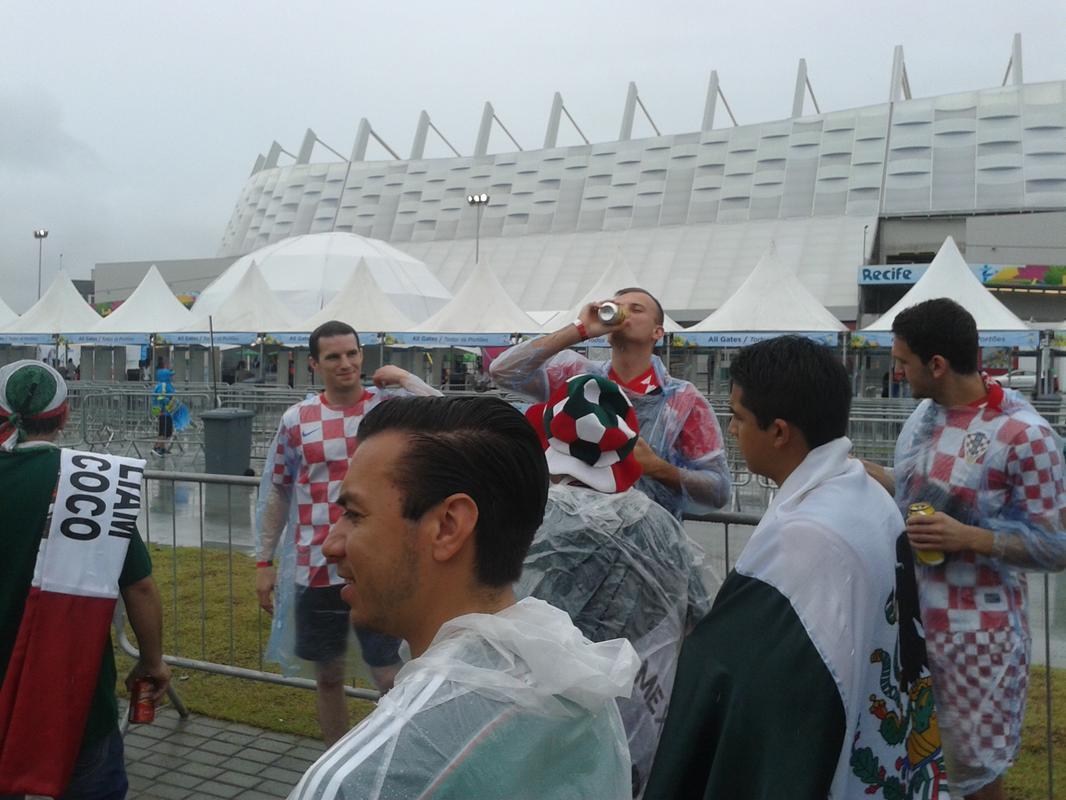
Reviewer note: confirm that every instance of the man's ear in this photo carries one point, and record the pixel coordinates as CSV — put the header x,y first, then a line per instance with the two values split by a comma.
x,y
782,432
454,520
938,366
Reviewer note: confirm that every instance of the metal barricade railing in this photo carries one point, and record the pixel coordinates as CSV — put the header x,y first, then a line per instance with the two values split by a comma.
x,y
228,535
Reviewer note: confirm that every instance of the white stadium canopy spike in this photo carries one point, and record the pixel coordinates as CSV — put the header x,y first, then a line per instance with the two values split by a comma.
x,y
60,310
152,308
771,299
363,305
251,307
482,305
950,276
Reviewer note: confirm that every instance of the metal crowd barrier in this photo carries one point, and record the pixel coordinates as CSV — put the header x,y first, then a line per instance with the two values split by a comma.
x,y
175,656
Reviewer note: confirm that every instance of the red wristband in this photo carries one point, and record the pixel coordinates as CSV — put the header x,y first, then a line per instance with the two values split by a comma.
x,y
581,331
259,564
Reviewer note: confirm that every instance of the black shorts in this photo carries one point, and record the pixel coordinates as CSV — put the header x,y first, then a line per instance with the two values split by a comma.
x,y
322,625
166,426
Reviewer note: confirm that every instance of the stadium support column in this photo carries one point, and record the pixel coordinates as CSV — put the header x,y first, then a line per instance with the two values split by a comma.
x,y
628,112
481,147
551,136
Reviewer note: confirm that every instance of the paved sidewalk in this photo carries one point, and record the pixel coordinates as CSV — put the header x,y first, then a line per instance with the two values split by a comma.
x,y
199,757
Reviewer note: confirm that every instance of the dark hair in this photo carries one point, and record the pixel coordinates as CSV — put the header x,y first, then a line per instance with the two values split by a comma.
x,y
660,315
940,327
44,426
332,328
480,446
794,379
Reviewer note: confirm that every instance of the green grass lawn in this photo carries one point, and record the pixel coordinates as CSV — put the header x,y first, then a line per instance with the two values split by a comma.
x,y
288,710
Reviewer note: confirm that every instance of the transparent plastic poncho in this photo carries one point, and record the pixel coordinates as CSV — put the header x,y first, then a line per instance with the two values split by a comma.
x,y
1000,470
677,423
516,705
622,567
281,648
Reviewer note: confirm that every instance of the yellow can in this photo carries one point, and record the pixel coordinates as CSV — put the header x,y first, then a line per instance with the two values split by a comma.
x,y
931,558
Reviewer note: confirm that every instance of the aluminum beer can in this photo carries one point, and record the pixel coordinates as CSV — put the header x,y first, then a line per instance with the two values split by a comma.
x,y
611,313
142,709
931,558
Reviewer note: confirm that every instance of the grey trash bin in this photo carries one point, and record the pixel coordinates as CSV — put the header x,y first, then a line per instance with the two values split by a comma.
x,y
227,440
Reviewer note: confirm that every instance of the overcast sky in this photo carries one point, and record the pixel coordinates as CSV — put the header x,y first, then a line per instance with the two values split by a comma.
x,y
128,127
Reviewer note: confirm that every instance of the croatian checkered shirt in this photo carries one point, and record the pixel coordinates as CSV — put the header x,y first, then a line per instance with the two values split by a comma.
x,y
972,593
997,470
315,443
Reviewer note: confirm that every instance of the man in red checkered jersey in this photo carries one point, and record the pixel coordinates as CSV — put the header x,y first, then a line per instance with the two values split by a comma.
x,y
315,442
992,469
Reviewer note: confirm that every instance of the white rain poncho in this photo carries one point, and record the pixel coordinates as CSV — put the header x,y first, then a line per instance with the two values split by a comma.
x,y
515,705
280,502
1001,469
677,423
622,567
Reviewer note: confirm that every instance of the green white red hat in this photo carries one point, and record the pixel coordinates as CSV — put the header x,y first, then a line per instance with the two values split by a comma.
x,y
589,431
28,390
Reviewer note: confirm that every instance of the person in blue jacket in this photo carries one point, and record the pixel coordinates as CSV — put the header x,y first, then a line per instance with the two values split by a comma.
x,y
164,404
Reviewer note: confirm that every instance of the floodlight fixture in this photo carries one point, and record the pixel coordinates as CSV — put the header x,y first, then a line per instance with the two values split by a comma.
x,y
40,234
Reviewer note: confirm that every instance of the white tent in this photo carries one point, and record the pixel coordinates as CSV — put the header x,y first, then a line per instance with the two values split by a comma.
x,y
950,276
618,275
363,305
308,271
771,301
60,310
7,316
249,309
152,308
481,313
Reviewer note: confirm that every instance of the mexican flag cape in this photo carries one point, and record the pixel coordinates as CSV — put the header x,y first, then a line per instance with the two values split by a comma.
x,y
47,691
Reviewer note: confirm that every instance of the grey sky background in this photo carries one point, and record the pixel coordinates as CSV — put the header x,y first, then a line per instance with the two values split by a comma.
x,y
128,128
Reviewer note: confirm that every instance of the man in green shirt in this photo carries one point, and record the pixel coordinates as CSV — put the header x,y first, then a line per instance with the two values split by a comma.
x,y
33,410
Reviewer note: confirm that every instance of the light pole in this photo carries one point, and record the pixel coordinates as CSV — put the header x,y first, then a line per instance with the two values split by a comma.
x,y
865,230
40,234
478,200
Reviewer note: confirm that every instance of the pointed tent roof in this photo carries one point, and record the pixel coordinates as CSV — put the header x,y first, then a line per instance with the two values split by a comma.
x,y
7,316
60,310
771,299
152,308
617,276
250,307
363,305
950,276
482,305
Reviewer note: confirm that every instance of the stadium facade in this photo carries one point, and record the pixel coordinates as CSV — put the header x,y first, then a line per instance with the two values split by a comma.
x,y
691,213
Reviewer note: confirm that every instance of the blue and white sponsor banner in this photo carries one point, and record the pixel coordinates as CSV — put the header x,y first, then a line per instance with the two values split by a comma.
x,y
1025,340
108,338
744,338
300,339
27,338
1036,275
452,339
204,338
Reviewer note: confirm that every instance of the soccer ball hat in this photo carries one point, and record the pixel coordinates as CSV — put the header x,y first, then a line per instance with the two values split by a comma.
x,y
589,429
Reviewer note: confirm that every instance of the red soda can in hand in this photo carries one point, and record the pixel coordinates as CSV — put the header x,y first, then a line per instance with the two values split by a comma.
x,y
142,707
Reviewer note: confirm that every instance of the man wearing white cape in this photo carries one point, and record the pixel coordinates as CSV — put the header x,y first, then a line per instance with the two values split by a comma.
x,y
501,698
807,678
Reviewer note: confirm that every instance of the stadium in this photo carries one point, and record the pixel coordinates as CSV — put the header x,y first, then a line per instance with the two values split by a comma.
x,y
692,212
